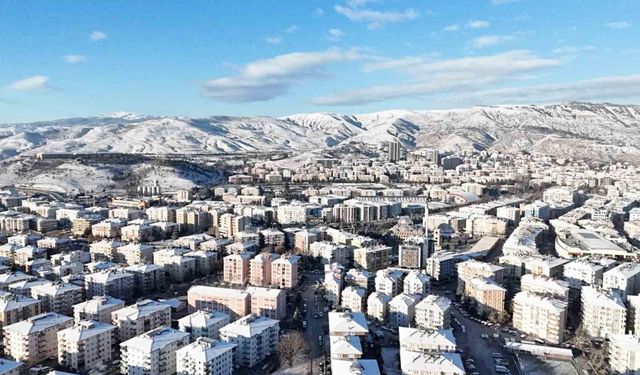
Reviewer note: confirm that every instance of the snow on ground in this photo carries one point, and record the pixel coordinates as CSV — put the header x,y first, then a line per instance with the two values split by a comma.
x,y
539,366
73,178
170,179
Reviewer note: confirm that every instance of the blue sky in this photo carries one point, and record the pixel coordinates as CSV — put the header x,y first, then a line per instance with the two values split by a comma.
x,y
62,59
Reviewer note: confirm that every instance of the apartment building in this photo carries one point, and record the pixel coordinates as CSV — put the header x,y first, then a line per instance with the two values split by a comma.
x,y
58,297
260,269
284,271
177,267
472,268
113,283
165,213
486,295
272,237
345,347
147,278
624,354
255,338
414,251
402,309
141,317
15,308
268,302
583,272
372,258
98,308
152,352
389,282
236,268
624,279
545,286
433,312
86,345
417,282
205,356
35,339
427,341
354,299
361,279
542,317
132,254
603,314
378,306
236,303
633,315
347,324
206,261
8,367
204,324
333,283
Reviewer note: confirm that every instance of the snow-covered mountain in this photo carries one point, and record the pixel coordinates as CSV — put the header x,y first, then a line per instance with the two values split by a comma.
x,y
573,129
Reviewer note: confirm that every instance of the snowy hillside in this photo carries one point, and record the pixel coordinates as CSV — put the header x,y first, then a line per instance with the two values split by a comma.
x,y
571,129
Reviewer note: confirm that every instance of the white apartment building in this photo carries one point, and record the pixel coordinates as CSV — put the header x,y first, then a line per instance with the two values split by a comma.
x,y
545,286
132,254
152,353
86,345
15,308
433,312
354,299
430,341
58,297
256,338
542,317
378,306
603,314
35,339
99,309
113,283
472,268
624,354
347,324
331,253
417,282
402,309
205,356
8,367
583,272
345,347
204,324
333,283
389,282
177,266
141,317
624,279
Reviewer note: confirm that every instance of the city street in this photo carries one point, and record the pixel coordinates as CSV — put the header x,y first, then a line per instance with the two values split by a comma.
x,y
316,327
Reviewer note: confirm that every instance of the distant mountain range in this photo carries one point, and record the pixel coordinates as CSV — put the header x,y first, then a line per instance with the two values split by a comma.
x,y
588,130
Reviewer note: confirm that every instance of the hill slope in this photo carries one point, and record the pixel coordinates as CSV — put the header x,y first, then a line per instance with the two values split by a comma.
x,y
603,131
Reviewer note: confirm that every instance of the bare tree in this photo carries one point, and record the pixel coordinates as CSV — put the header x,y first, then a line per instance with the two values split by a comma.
x,y
292,347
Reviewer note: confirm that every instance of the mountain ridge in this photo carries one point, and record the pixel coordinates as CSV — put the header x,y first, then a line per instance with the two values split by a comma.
x,y
589,130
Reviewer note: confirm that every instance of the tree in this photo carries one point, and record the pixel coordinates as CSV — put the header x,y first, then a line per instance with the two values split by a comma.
x,y
292,347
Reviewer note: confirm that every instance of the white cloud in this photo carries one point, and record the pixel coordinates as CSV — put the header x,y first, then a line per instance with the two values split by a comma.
x,y
429,76
571,50
273,39
335,34
478,24
376,19
485,41
291,29
35,83
597,89
97,36
74,59
451,28
267,79
618,25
